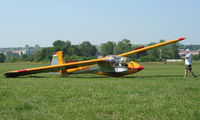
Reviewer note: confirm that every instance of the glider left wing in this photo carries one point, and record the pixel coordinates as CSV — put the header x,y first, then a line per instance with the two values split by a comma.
x,y
53,67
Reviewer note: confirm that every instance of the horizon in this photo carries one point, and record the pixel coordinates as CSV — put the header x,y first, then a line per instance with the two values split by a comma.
x,y
89,41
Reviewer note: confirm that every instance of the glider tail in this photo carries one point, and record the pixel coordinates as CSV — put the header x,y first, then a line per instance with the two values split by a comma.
x,y
57,59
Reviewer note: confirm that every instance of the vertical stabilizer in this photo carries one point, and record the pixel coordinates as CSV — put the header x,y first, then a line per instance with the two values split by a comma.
x,y
57,59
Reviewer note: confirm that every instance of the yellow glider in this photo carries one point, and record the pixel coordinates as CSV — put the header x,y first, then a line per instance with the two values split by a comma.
x,y
113,65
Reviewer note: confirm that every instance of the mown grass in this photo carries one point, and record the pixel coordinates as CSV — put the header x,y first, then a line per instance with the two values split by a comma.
x,y
158,92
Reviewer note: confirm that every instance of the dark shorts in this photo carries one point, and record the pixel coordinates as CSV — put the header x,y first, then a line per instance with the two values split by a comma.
x,y
188,67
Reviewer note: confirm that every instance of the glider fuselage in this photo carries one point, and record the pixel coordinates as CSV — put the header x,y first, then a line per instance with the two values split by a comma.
x,y
115,66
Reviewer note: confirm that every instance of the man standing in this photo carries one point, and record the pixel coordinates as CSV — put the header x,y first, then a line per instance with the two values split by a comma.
x,y
188,64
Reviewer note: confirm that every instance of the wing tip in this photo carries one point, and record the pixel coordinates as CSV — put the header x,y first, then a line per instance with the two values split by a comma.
x,y
15,73
182,38
11,74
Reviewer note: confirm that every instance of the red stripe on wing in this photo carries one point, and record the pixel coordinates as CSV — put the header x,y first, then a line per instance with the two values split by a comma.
x,y
22,71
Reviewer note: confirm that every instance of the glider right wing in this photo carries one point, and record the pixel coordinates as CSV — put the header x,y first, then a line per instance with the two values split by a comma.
x,y
152,46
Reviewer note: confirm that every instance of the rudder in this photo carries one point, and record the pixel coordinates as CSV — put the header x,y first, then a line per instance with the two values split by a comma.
x,y
57,59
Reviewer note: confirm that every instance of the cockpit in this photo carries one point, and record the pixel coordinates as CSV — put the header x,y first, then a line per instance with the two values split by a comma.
x,y
118,64
118,61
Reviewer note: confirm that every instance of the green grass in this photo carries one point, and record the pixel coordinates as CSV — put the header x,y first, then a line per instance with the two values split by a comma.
x,y
158,92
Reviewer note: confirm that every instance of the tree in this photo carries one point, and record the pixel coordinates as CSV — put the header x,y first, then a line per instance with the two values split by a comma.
x,y
164,51
191,47
44,54
2,58
10,54
174,50
74,50
146,59
107,48
37,47
153,52
60,45
122,46
196,57
87,49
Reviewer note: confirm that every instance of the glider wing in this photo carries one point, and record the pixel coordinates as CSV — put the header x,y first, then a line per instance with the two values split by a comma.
x,y
53,68
152,46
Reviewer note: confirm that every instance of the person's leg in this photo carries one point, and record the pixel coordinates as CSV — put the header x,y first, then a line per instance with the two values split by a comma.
x,y
190,70
186,71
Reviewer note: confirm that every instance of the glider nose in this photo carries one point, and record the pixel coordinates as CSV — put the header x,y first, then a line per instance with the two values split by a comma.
x,y
140,68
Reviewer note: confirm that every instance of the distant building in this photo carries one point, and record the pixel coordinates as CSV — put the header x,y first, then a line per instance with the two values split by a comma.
x,y
182,52
174,60
19,52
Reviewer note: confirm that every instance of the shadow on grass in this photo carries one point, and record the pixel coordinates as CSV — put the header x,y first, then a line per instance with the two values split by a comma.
x,y
92,76
154,76
162,76
58,76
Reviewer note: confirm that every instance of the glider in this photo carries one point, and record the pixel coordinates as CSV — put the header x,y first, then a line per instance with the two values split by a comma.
x,y
111,65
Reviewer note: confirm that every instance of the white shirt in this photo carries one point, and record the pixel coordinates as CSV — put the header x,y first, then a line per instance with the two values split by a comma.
x,y
188,59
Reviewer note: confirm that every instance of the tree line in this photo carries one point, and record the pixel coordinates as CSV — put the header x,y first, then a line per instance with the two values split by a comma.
x,y
191,47
86,51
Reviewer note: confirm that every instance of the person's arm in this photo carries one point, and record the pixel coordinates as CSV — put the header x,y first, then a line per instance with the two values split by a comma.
x,y
187,56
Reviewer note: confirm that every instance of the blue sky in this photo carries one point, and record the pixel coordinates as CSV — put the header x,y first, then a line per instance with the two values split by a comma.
x,y
142,21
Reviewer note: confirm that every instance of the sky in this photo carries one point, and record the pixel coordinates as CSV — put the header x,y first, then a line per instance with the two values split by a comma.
x,y
41,22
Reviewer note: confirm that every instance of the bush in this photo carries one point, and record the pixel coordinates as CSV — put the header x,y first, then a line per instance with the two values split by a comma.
x,y
196,57
12,59
146,59
2,58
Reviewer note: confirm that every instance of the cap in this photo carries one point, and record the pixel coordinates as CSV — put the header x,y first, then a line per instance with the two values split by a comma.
x,y
187,50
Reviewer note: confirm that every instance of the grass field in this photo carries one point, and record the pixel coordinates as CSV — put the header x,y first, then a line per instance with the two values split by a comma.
x,y
159,92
